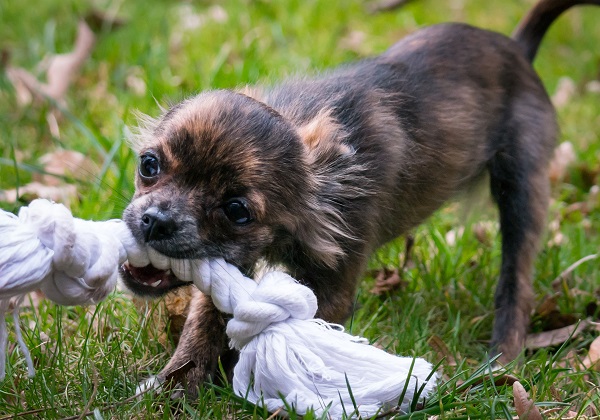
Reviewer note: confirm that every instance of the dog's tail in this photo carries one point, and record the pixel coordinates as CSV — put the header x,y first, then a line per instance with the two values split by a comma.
x,y
531,29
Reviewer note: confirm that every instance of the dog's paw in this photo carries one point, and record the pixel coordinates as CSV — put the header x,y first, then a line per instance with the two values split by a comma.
x,y
152,384
170,380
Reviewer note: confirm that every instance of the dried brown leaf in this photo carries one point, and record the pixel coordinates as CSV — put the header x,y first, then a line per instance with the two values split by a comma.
x,y
548,305
564,92
387,281
438,345
505,379
64,194
571,415
64,67
24,84
525,406
593,86
564,157
484,232
66,163
554,337
61,71
135,81
355,41
51,185
592,360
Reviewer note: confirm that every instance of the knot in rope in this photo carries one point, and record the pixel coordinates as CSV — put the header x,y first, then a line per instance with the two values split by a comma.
x,y
254,306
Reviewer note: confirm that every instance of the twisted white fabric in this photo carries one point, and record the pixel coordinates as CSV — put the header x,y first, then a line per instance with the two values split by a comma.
x,y
284,352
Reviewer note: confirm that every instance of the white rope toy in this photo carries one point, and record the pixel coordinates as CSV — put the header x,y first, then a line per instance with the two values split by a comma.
x,y
284,352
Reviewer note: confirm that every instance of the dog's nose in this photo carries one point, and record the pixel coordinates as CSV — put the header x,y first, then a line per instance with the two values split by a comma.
x,y
157,224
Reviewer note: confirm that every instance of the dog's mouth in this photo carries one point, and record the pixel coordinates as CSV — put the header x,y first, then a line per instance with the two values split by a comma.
x,y
149,280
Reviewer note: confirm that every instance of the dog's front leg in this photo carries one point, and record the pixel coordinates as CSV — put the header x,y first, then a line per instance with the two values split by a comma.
x,y
203,341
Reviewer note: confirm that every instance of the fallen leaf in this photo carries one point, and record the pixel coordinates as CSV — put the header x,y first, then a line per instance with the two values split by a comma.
x,y
190,20
64,194
526,409
355,41
61,71
564,92
548,305
64,67
217,14
548,317
51,184
484,232
554,337
438,345
592,360
135,81
387,281
500,380
564,157
593,86
571,415
65,164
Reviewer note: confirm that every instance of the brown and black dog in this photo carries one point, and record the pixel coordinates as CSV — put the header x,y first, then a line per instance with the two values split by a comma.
x,y
314,174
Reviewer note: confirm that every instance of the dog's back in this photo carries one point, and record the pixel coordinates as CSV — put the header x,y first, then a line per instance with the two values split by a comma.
x,y
427,116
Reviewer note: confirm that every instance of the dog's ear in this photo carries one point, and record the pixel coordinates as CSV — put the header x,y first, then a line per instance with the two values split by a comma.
x,y
322,231
323,135
333,180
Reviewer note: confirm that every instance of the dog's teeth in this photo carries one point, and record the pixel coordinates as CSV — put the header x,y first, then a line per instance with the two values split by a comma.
x,y
169,272
156,283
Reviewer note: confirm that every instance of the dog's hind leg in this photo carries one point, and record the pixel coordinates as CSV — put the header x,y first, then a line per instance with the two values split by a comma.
x,y
520,187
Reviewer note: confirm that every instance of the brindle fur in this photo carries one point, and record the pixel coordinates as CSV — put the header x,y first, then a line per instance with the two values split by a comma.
x,y
333,167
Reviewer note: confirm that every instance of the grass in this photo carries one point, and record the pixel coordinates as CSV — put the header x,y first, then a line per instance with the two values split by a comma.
x,y
91,359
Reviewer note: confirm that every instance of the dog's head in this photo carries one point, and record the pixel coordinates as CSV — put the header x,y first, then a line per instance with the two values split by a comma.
x,y
220,175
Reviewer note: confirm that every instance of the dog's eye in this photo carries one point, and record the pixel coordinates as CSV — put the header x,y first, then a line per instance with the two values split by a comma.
x,y
237,211
149,166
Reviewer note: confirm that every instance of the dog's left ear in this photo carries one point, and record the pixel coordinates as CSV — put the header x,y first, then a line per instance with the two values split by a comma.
x,y
323,136
324,229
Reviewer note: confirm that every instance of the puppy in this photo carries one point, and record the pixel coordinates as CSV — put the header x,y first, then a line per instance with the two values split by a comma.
x,y
314,174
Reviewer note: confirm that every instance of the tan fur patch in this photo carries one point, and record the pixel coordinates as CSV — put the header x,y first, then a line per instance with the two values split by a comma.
x,y
323,134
